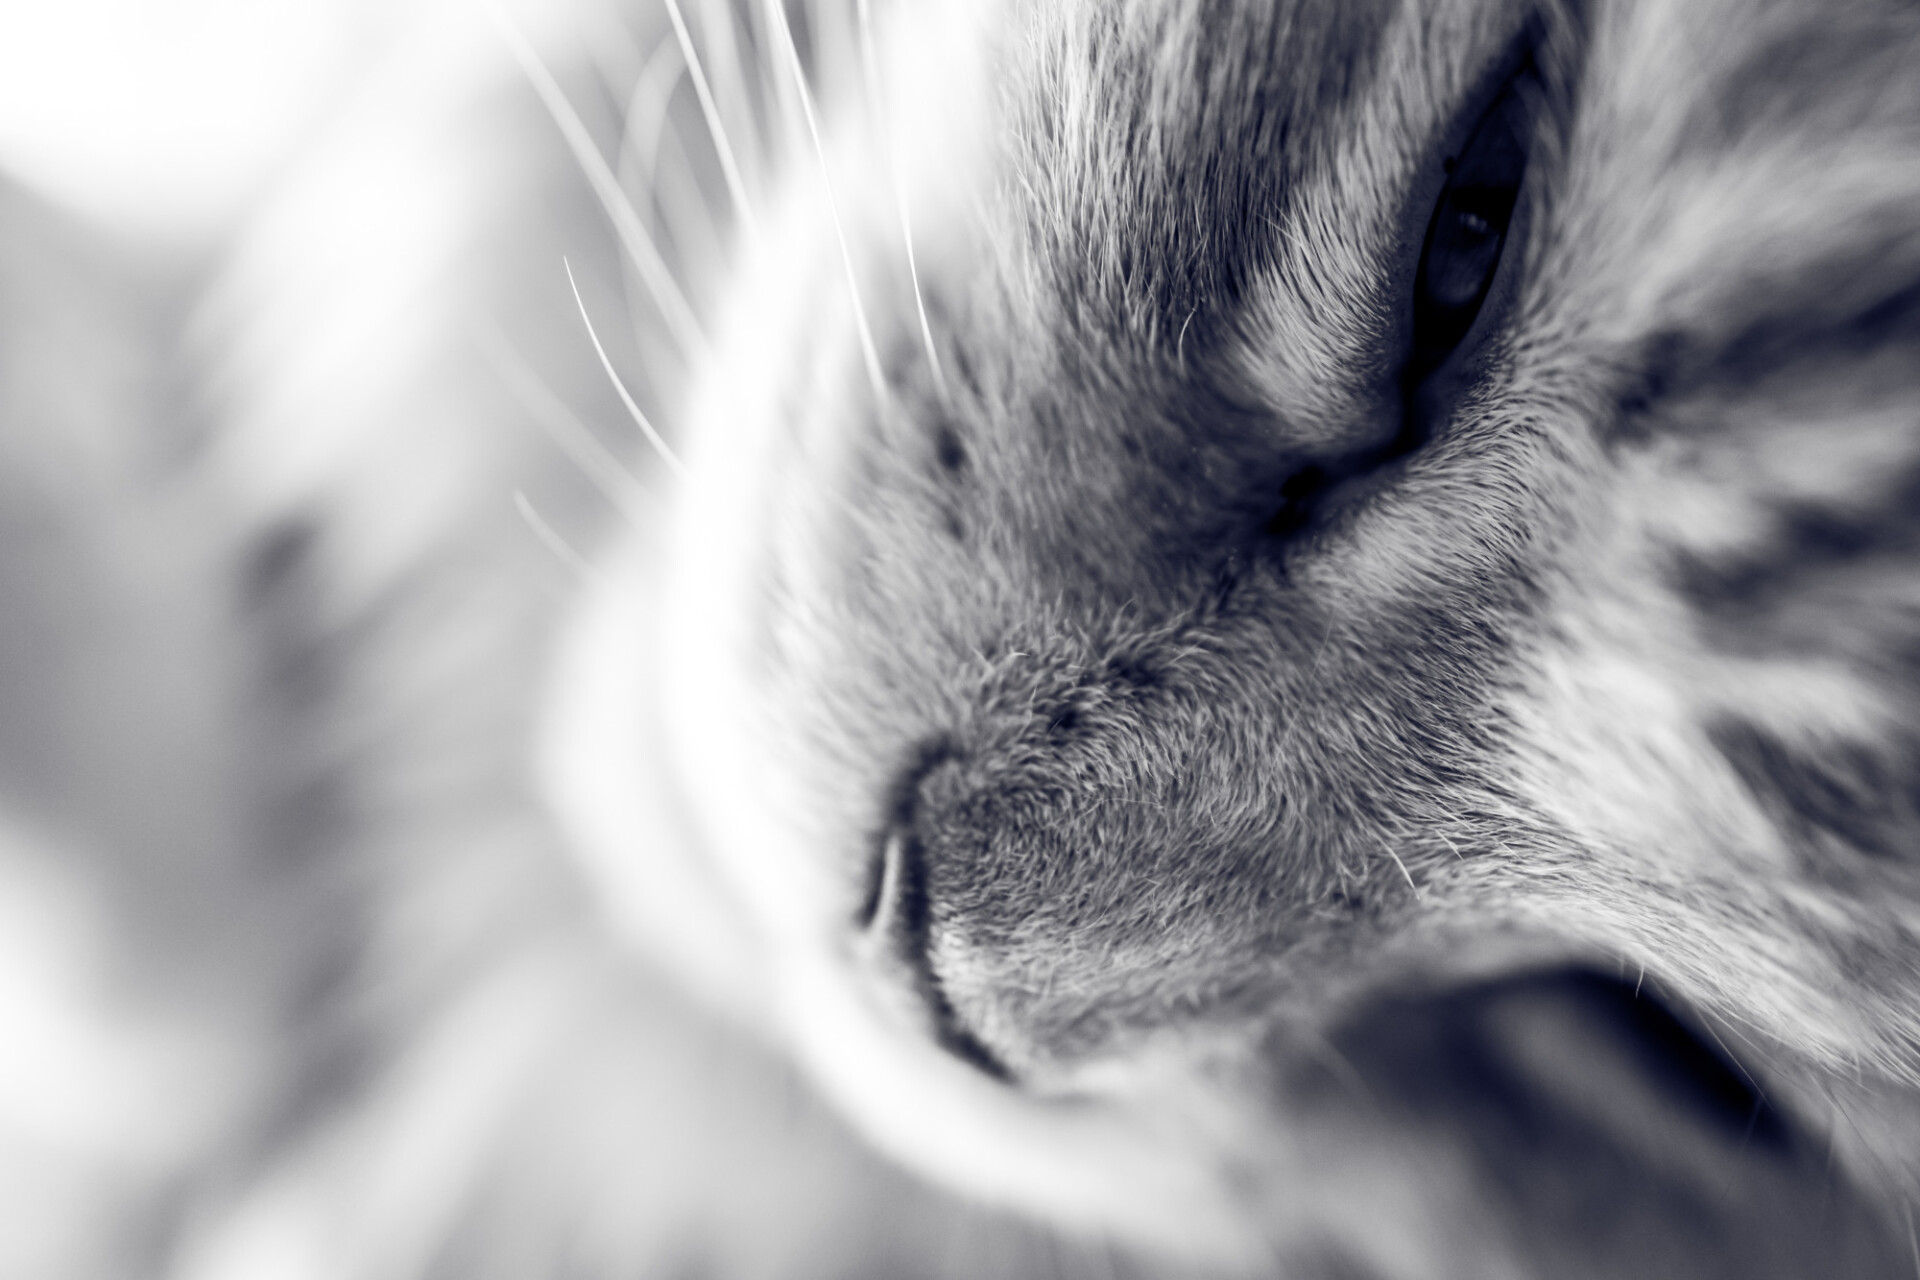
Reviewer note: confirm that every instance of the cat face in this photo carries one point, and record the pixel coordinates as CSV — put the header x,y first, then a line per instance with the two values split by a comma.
x,y
1216,525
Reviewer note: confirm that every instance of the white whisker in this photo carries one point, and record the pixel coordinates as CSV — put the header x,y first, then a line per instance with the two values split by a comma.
x,y
610,45
728,74
646,427
584,449
550,538
1737,1061
831,46
876,109
722,147
867,350
649,142
1405,874
647,106
870,77
919,300
788,122
665,290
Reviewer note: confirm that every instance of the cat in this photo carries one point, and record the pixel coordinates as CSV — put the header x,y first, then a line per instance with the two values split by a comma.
x,y
1263,638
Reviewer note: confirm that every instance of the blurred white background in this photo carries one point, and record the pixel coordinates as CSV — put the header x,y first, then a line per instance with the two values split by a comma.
x,y
159,117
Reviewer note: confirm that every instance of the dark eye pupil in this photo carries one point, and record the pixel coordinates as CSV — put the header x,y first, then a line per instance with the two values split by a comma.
x,y
1468,230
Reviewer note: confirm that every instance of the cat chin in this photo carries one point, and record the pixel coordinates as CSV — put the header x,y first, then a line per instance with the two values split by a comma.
x,y
1146,1159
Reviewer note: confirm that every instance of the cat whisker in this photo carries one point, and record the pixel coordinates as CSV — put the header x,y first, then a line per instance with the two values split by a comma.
x,y
595,461
788,123
647,112
1405,874
549,537
723,148
834,43
784,35
634,237
728,79
640,419
870,66
680,208
1320,1048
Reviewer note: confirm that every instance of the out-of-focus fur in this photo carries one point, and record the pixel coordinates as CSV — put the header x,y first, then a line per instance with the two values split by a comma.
x,y
488,847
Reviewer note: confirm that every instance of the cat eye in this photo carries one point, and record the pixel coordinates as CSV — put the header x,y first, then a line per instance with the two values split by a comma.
x,y
1468,230
1459,264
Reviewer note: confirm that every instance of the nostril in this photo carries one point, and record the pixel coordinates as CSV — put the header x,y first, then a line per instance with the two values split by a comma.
x,y
893,908
895,924
893,916
880,878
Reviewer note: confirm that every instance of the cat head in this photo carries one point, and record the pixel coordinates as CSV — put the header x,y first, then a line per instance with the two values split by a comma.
x,y
1223,539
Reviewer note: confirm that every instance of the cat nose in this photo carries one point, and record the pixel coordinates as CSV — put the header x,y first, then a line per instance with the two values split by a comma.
x,y
1613,1128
